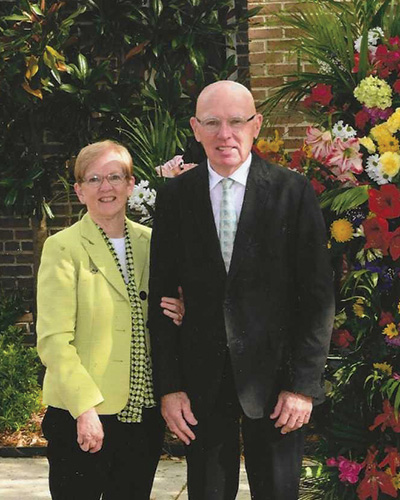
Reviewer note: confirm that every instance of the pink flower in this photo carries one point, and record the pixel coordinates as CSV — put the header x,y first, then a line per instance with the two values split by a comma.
x,y
174,167
349,470
331,462
345,156
320,142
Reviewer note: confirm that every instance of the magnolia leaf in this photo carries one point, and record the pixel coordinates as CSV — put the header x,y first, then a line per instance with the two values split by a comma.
x,y
136,50
351,198
397,400
35,92
32,67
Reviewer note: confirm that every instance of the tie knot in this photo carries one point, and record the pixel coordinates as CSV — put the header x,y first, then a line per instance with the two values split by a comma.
x,y
227,183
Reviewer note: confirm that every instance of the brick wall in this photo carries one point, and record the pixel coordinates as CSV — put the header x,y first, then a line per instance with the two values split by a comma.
x,y
270,60
17,257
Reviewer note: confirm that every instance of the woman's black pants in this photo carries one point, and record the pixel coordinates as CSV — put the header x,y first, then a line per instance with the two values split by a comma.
x,y
123,469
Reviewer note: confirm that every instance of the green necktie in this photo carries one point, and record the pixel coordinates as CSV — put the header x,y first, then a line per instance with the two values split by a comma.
x,y
227,221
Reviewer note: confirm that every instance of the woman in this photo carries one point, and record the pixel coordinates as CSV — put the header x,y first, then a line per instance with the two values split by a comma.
x,y
103,428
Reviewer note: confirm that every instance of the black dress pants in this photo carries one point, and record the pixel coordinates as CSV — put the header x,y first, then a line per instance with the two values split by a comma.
x,y
123,469
272,460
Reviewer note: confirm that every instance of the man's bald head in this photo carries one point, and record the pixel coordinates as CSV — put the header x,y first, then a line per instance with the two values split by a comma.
x,y
213,92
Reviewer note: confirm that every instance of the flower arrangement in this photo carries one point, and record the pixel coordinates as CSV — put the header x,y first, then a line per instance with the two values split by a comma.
x,y
351,155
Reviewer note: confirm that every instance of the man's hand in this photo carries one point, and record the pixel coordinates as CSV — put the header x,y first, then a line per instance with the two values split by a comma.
x,y
174,308
292,411
175,409
90,431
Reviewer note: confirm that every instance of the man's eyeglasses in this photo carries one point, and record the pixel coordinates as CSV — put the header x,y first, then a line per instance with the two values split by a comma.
x,y
97,180
212,125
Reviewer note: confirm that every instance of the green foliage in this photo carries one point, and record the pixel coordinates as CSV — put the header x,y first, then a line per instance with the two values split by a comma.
x,y
19,368
153,142
69,70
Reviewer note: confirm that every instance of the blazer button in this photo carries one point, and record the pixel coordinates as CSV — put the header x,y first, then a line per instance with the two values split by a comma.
x,y
143,295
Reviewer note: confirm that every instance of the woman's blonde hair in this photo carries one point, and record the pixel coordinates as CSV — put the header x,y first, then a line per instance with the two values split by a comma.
x,y
92,152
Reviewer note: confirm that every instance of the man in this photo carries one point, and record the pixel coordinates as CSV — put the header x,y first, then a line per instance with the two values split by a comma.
x,y
246,240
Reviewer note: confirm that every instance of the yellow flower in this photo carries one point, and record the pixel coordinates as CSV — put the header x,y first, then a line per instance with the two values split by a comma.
x,y
358,308
388,144
396,481
381,132
393,122
390,163
398,306
270,146
383,367
368,143
342,230
390,330
307,150
262,145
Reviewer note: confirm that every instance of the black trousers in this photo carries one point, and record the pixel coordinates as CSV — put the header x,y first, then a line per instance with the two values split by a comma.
x,y
272,460
123,469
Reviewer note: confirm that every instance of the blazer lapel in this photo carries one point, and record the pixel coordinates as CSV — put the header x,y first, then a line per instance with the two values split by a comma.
x,y
203,215
256,195
140,253
97,249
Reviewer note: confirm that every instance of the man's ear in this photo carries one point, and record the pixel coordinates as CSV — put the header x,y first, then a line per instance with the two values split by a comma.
x,y
258,119
195,127
79,192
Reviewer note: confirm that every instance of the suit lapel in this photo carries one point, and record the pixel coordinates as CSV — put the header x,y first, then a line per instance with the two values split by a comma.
x,y
101,256
256,195
203,214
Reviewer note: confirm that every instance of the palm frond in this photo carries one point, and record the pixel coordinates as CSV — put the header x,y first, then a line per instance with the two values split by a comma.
x,y
349,199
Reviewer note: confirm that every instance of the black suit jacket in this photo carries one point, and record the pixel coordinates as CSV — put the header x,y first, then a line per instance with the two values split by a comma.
x,y
273,311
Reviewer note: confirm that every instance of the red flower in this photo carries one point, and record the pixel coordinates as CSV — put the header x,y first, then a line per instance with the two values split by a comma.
x,y
318,186
386,202
376,232
395,40
342,338
362,118
356,62
395,244
396,86
322,93
387,419
297,158
375,480
386,318
392,459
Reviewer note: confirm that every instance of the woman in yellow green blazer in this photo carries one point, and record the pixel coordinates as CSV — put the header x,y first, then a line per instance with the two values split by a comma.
x,y
103,428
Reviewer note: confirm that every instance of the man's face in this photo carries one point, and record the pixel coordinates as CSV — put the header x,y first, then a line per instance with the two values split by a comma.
x,y
228,146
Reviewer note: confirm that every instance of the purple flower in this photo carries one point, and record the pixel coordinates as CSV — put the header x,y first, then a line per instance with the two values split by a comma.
x,y
377,114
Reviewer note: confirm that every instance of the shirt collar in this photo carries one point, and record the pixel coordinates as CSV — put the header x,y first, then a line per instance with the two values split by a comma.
x,y
239,175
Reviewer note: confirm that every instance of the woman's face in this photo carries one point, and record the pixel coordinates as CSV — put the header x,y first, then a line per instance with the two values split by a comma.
x,y
105,200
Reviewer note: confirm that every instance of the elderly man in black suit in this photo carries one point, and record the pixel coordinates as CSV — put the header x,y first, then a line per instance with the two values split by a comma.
x,y
246,240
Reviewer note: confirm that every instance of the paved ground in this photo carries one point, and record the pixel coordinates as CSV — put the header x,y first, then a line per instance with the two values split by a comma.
x,y
26,478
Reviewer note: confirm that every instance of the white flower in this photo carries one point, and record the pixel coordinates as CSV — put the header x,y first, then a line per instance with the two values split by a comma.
x,y
373,36
374,170
324,68
142,198
343,131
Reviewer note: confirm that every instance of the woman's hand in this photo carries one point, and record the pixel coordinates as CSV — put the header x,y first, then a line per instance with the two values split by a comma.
x,y
174,308
90,431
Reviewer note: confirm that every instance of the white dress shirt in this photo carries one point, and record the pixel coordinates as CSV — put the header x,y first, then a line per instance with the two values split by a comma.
x,y
239,176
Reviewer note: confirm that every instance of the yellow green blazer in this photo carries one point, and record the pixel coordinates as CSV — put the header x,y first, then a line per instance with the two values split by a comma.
x,y
84,318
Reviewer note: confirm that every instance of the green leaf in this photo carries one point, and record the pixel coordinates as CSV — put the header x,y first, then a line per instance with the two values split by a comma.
x,y
349,199
83,65
67,87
